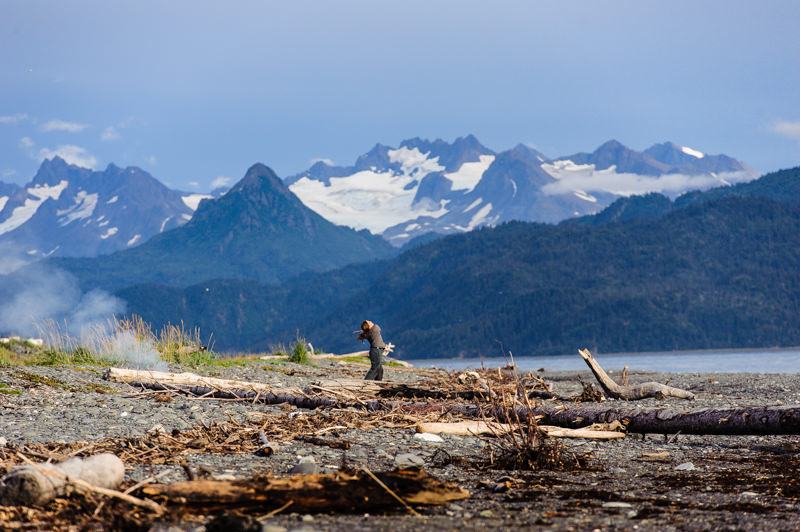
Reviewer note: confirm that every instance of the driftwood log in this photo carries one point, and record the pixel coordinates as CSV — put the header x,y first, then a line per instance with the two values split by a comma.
x,y
37,484
599,431
350,492
640,391
751,420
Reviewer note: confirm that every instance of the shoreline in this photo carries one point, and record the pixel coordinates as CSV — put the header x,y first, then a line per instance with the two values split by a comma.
x,y
680,482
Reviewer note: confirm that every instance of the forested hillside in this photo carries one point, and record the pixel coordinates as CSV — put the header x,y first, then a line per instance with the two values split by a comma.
x,y
714,274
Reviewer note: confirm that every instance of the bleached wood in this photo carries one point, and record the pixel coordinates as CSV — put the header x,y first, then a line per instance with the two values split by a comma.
x,y
640,391
462,428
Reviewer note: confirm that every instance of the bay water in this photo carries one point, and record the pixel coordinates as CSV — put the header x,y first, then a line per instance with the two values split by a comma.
x,y
783,360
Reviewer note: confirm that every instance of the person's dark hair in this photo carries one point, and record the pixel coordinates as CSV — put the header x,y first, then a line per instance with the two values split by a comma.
x,y
365,324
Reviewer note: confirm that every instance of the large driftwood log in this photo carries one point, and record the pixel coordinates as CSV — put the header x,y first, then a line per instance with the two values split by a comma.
x,y
641,391
352,492
37,484
732,421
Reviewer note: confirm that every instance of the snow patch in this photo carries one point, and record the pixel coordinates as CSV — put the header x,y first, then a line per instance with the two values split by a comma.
x,y
186,216
193,200
474,204
584,196
112,200
3,202
411,227
368,199
111,231
414,162
566,168
469,174
134,240
25,212
84,206
164,223
479,218
693,153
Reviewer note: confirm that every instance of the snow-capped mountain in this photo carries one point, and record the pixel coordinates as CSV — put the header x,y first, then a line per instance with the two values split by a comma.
x,y
71,211
424,186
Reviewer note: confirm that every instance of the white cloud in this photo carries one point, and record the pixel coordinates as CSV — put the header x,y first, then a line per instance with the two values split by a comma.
x,y
13,119
60,125
152,161
26,143
70,153
9,172
194,184
221,181
573,178
322,160
787,129
109,134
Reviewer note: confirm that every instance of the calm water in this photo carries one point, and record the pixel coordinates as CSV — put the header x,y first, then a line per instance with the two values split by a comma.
x,y
757,361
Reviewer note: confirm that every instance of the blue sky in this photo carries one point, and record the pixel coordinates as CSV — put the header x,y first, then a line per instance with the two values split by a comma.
x,y
195,92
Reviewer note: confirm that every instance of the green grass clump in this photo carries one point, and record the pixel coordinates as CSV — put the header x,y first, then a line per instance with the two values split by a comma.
x,y
300,354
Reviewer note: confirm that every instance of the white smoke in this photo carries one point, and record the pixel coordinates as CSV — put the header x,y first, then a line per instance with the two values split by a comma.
x,y
132,351
34,294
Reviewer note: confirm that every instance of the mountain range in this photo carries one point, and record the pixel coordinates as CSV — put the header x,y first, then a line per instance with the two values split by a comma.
x,y
445,188
69,211
258,230
422,187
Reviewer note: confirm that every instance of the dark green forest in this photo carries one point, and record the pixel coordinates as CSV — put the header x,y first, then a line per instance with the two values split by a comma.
x,y
719,272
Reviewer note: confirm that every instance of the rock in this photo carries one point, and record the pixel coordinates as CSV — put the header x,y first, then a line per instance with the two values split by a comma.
x,y
686,466
408,460
424,436
306,466
615,504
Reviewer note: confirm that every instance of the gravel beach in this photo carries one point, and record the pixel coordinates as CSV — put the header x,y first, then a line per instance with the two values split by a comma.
x,y
641,482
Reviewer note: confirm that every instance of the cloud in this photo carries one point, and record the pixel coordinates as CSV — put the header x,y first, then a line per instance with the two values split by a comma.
x,y
13,119
221,181
322,160
787,129
584,178
60,125
70,153
152,161
193,184
109,134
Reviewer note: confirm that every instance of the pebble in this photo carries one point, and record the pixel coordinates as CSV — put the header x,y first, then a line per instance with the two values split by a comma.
x,y
686,466
408,460
425,436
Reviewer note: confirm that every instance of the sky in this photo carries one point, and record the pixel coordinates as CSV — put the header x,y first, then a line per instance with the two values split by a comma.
x,y
195,92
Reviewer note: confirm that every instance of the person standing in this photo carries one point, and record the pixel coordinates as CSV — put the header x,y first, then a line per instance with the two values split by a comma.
x,y
372,332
